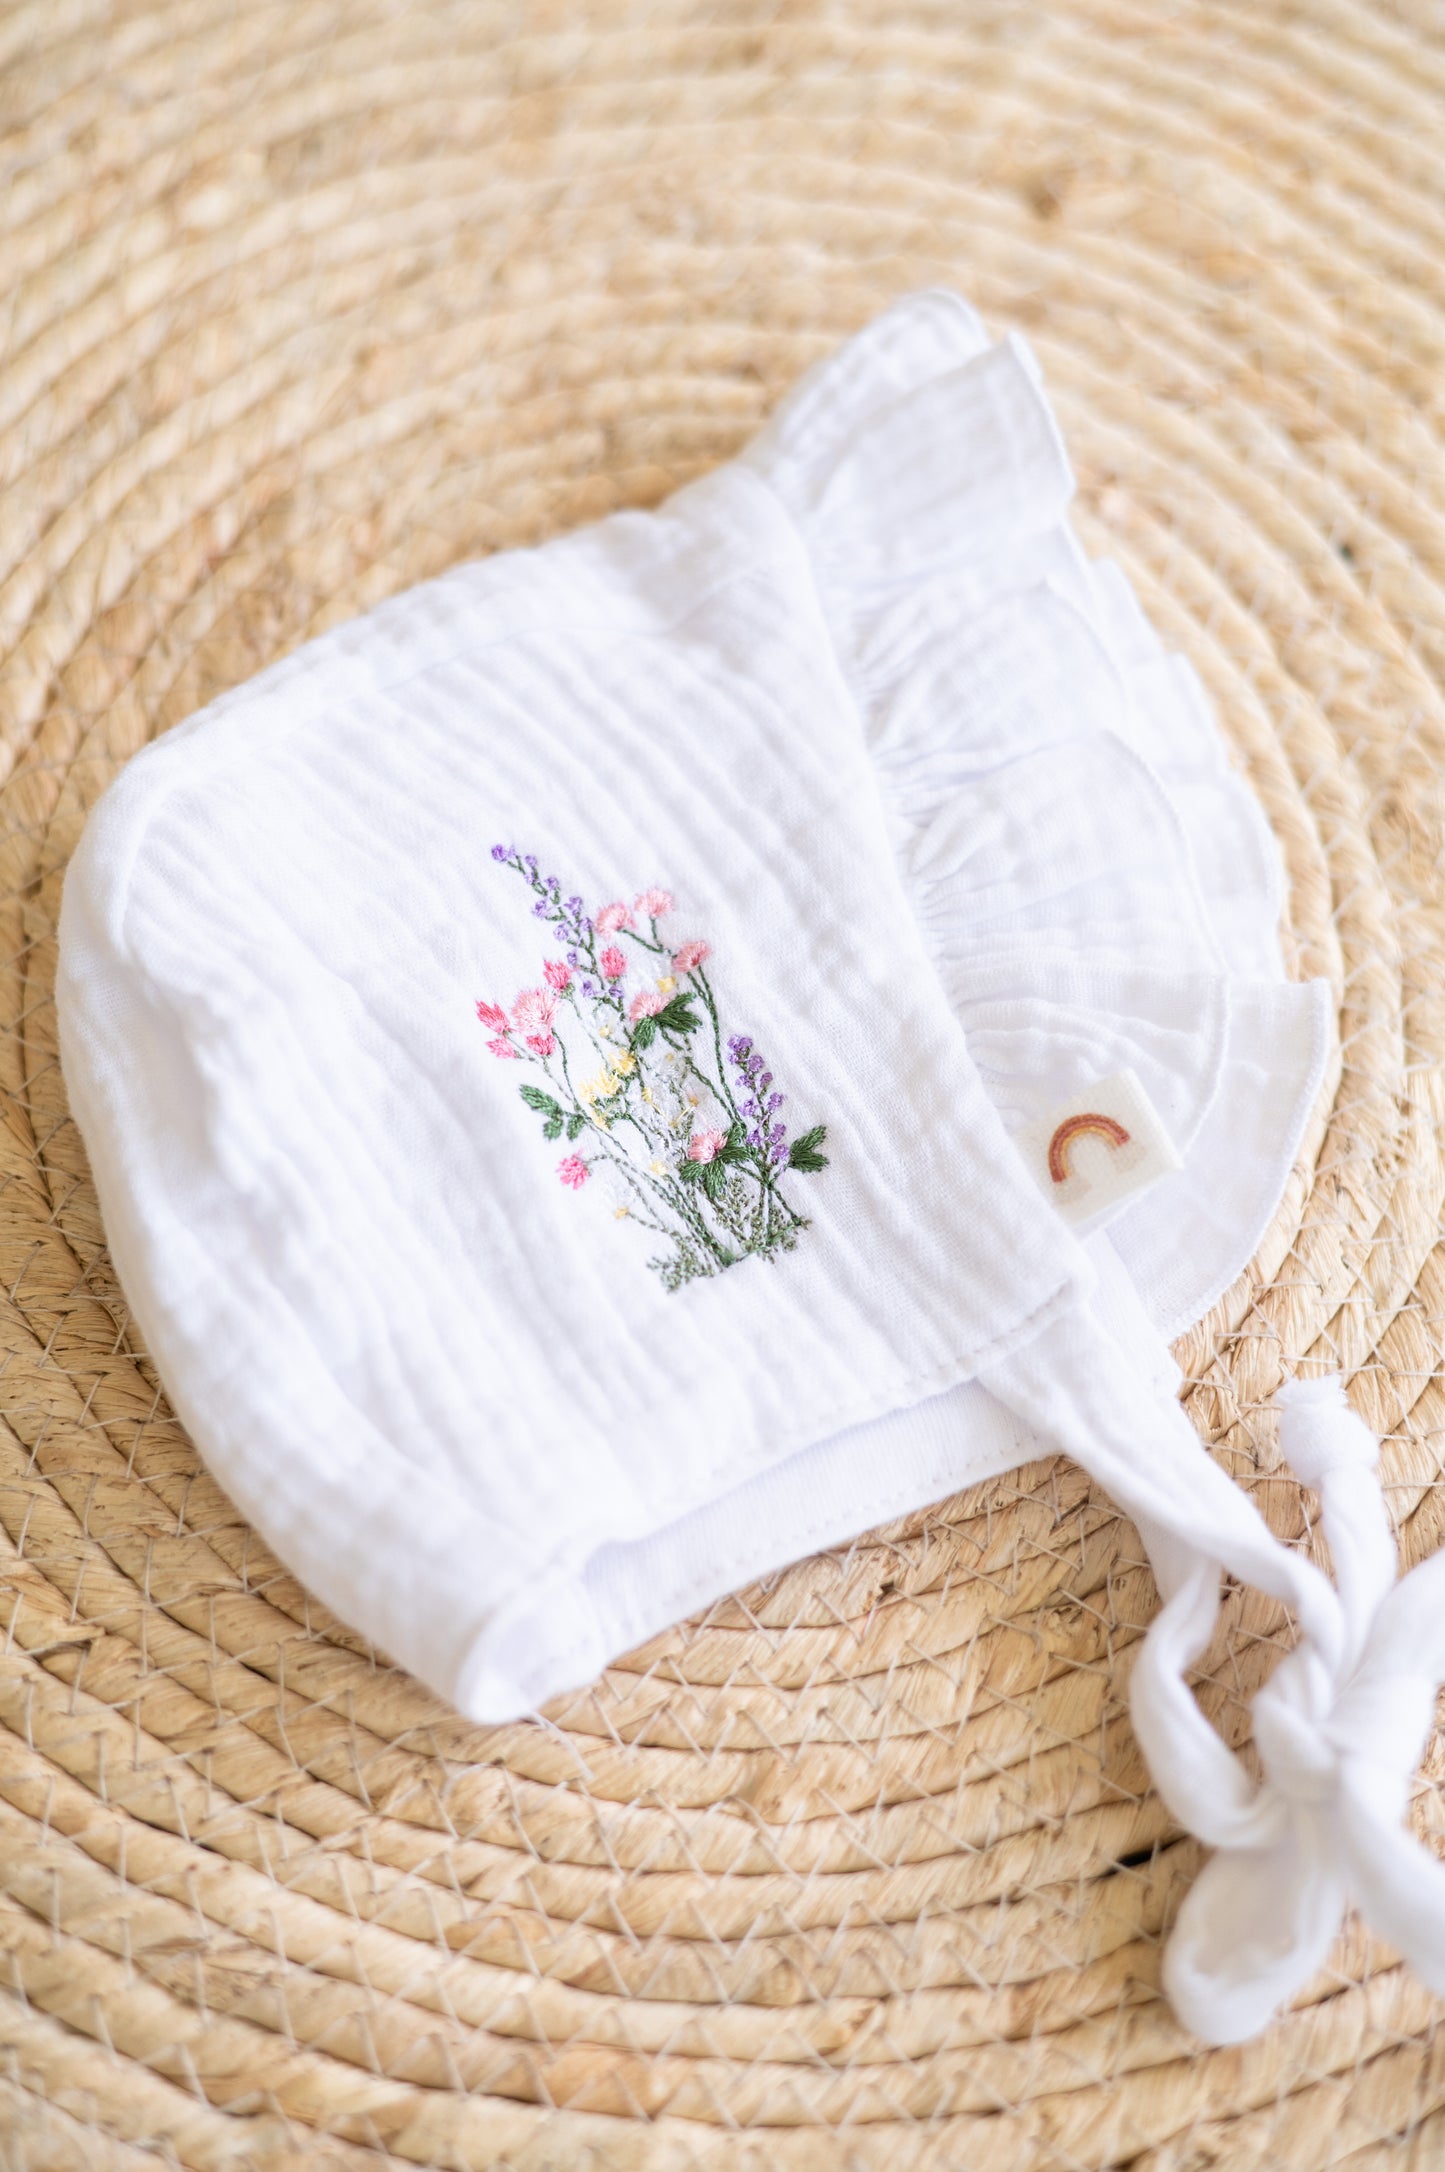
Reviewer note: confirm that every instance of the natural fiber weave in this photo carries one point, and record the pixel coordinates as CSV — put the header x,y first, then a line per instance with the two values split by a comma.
x,y
306,302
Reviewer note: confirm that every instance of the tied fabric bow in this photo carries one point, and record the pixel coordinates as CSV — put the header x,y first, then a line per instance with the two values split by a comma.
x,y
1339,1734
1340,1725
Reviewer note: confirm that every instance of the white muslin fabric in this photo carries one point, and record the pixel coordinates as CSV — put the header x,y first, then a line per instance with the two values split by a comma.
x,y
560,1057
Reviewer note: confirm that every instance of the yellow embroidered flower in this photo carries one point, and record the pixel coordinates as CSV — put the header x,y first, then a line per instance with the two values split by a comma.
x,y
600,1087
622,1063
666,985
621,1213
657,1166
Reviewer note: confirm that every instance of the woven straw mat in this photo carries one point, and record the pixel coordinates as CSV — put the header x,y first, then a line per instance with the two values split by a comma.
x,y
307,301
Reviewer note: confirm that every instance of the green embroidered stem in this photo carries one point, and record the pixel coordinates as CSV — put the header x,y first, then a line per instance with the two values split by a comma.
x,y
702,980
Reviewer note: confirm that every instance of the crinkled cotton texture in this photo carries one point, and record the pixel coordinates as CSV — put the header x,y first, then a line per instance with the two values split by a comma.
x,y
550,1054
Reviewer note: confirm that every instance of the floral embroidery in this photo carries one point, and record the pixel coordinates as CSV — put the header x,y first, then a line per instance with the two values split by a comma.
x,y
627,1036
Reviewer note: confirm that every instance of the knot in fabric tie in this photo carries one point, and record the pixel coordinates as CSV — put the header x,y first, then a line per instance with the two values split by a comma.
x,y
1320,1436
1301,1762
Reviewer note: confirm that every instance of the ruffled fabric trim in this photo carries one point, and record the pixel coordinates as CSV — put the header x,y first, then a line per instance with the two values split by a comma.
x,y
1097,887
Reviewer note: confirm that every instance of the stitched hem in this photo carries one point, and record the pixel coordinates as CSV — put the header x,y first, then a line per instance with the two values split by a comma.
x,y
489,1693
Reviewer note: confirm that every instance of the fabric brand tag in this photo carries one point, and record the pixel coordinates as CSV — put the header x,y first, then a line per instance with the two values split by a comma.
x,y
1098,1149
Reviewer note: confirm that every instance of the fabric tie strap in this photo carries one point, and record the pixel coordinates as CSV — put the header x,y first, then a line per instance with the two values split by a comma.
x,y
1338,1745
1340,1725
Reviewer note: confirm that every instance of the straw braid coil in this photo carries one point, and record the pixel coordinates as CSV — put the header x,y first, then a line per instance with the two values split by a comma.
x,y
304,304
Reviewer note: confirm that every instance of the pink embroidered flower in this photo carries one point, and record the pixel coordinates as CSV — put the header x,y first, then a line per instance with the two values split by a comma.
x,y
654,903
645,1004
612,962
493,1017
690,954
574,1172
706,1145
557,975
534,1011
503,1048
541,1044
613,917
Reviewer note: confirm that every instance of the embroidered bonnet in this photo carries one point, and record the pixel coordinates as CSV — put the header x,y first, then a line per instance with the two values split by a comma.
x,y
647,1056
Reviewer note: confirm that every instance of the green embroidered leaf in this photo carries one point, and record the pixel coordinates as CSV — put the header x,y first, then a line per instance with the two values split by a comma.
x,y
552,1129
691,1171
804,1155
735,1147
675,1016
678,1016
536,1099
714,1176
576,1124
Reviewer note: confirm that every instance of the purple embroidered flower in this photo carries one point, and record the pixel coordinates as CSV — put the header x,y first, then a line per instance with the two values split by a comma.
x,y
760,1104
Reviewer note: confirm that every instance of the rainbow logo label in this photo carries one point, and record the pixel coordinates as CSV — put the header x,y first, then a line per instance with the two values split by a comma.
x,y
1100,1149
1089,1124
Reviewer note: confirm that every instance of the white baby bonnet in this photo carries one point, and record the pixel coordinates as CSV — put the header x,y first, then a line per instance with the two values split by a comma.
x,y
604,1076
